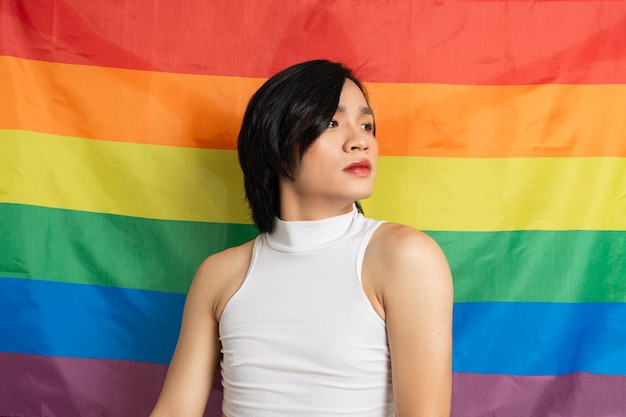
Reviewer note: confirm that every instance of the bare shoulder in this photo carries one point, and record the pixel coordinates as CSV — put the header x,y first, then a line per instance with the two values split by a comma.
x,y
226,262
403,260
414,293
195,360
403,245
221,275
415,289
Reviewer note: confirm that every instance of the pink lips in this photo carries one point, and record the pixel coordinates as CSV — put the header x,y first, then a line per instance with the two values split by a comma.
x,y
361,167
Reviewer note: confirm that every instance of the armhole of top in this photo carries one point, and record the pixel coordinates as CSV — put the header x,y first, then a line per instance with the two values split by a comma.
x,y
256,247
367,236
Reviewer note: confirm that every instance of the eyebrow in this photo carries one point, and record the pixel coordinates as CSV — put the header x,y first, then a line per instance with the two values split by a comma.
x,y
362,110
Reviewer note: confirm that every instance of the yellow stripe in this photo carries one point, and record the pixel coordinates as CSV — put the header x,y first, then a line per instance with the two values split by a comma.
x,y
121,178
459,194
493,194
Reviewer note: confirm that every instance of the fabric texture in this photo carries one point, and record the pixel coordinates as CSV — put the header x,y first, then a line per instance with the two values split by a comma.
x,y
501,135
300,337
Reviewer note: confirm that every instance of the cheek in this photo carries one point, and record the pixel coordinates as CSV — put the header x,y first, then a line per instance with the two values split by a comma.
x,y
373,153
320,155
374,147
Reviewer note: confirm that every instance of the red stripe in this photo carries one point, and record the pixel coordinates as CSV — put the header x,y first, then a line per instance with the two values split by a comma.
x,y
472,42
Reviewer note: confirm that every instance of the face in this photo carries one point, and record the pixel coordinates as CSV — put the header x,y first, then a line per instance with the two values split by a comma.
x,y
340,166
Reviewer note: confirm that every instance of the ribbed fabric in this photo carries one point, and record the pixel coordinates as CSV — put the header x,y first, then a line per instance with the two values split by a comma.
x,y
300,337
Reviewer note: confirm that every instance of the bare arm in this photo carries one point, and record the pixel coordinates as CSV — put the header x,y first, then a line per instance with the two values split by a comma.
x,y
417,297
195,361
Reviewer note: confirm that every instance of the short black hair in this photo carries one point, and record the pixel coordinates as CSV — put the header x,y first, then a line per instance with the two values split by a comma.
x,y
283,118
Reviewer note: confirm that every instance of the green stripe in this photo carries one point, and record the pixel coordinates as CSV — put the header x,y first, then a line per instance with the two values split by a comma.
x,y
536,266
162,255
105,249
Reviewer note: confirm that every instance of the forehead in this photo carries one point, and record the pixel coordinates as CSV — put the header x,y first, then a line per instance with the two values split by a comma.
x,y
353,98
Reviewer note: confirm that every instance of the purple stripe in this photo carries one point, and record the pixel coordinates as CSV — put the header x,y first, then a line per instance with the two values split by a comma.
x,y
571,395
35,386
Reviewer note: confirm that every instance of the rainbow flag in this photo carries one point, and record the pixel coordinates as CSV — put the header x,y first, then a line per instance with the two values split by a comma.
x,y
502,132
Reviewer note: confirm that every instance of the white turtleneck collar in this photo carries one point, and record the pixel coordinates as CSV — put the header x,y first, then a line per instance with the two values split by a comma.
x,y
300,236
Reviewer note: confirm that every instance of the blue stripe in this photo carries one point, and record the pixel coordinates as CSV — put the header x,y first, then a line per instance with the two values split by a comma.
x,y
540,338
87,321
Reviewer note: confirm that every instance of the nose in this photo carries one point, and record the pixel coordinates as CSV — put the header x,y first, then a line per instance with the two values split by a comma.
x,y
357,140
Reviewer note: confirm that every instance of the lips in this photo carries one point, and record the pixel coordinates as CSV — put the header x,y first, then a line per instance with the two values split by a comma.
x,y
360,167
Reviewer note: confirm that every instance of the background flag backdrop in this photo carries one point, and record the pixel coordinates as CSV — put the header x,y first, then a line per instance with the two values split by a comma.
x,y
502,128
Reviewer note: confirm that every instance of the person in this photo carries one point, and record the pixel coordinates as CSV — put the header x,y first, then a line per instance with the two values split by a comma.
x,y
327,312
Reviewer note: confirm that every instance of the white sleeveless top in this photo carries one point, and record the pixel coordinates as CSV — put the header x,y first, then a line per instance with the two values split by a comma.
x,y
300,337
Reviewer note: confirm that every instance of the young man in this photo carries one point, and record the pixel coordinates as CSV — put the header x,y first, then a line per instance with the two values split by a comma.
x,y
327,313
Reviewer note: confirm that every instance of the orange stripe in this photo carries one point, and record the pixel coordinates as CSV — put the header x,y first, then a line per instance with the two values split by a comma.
x,y
123,105
501,121
413,119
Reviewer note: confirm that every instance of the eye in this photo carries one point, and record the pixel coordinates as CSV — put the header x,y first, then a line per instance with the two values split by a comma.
x,y
333,123
368,127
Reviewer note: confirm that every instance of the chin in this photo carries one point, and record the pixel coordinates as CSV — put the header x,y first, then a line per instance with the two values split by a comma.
x,y
364,195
